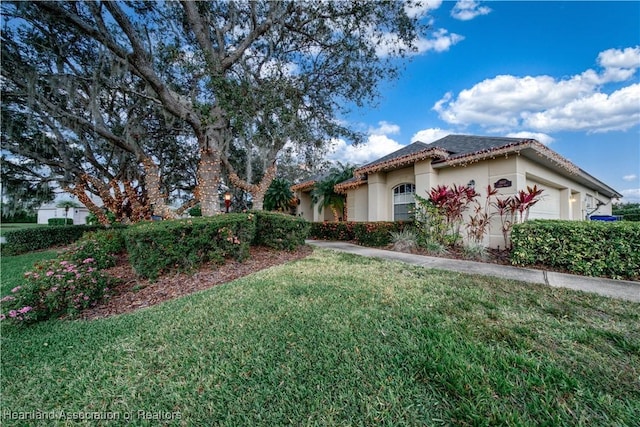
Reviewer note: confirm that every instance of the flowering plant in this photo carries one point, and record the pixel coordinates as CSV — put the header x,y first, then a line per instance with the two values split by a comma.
x,y
55,287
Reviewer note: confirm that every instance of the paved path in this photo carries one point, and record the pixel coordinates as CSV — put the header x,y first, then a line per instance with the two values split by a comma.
x,y
621,289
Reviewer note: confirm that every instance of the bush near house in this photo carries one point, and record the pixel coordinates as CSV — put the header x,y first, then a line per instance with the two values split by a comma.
x,y
60,221
589,248
279,230
33,239
158,247
363,233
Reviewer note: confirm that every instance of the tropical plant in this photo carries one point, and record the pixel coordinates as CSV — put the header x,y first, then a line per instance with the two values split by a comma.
x,y
404,241
515,209
324,195
480,222
278,196
451,203
67,204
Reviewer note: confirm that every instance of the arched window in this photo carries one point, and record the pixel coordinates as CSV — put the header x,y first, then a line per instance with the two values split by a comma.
x,y
404,201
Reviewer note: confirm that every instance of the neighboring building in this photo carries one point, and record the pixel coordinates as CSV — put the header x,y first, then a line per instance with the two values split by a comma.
x,y
306,208
47,211
384,189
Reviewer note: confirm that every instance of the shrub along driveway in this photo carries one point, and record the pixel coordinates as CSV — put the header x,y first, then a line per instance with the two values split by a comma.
x,y
622,289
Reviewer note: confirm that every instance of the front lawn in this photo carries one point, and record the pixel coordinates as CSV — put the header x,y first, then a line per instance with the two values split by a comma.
x,y
14,267
337,339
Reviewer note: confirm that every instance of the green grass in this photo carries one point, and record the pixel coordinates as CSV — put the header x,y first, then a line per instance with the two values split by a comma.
x,y
336,339
4,227
14,267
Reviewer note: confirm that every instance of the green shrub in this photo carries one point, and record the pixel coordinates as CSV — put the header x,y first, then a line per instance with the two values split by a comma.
x,y
55,287
362,233
280,231
161,246
60,221
590,248
631,217
33,239
101,245
332,231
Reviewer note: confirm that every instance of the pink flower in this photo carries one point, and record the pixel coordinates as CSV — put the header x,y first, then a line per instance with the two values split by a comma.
x,y
64,262
49,273
88,260
13,313
7,298
16,289
55,288
2,317
24,310
86,298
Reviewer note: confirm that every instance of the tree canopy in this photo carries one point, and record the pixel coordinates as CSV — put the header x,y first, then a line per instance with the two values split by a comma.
x,y
143,89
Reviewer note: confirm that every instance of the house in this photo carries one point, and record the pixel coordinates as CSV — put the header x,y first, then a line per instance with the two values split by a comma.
x,y
50,210
384,190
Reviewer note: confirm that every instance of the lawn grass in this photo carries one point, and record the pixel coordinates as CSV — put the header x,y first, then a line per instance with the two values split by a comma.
x,y
337,339
13,268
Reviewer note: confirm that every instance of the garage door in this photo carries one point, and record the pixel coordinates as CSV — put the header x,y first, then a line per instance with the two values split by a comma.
x,y
549,205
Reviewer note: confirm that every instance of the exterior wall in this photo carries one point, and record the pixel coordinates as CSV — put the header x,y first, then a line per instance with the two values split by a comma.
x,y
305,208
78,215
377,197
358,204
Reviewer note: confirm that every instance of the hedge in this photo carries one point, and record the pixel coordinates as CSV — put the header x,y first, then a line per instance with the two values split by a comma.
x,y
33,239
591,248
363,233
279,230
161,246
60,221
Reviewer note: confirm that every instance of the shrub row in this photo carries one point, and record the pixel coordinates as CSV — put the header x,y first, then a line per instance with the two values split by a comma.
x,y
280,231
158,247
33,239
60,221
362,233
590,248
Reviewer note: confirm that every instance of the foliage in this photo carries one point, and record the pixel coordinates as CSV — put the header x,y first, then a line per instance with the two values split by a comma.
x,y
33,239
60,221
158,247
430,222
12,268
479,223
22,193
102,246
323,194
405,240
92,219
278,196
629,211
590,248
362,233
280,231
195,211
345,340
18,216
53,288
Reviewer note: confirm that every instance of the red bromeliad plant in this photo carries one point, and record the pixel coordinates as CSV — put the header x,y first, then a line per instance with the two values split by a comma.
x,y
452,202
515,209
480,222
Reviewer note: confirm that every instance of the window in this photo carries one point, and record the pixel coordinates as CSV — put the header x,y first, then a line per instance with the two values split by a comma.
x,y
404,201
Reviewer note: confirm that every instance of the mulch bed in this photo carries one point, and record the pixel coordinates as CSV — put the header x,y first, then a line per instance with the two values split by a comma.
x,y
134,293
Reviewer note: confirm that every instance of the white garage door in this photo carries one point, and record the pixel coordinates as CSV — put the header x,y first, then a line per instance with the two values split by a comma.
x,y
549,205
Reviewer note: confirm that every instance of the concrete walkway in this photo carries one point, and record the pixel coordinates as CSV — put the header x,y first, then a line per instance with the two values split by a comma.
x,y
621,289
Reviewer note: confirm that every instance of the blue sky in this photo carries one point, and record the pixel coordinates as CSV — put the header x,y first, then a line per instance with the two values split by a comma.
x,y
564,73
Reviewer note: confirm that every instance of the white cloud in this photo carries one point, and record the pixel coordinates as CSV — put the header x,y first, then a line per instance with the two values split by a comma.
x,y
631,195
543,138
376,146
466,10
385,128
419,10
429,135
440,41
546,104
631,177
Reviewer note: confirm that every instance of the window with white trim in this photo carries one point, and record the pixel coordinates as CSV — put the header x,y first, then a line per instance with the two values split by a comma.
x,y
404,201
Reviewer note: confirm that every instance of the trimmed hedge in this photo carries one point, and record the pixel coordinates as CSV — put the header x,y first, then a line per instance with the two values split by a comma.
x,y
363,233
33,239
158,247
60,221
279,230
590,248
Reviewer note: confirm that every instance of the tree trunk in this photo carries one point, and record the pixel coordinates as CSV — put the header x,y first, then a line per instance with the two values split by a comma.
x,y
79,192
208,181
152,184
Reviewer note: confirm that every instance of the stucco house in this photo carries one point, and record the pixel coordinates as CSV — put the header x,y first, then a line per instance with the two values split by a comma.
x,y
384,189
50,210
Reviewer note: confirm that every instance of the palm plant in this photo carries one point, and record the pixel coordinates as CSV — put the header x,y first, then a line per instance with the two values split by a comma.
x,y
278,196
325,196
67,204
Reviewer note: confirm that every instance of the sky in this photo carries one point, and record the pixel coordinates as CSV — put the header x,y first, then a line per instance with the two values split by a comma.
x,y
564,73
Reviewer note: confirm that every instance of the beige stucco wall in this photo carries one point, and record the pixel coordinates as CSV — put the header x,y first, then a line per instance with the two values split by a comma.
x,y
305,208
358,204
